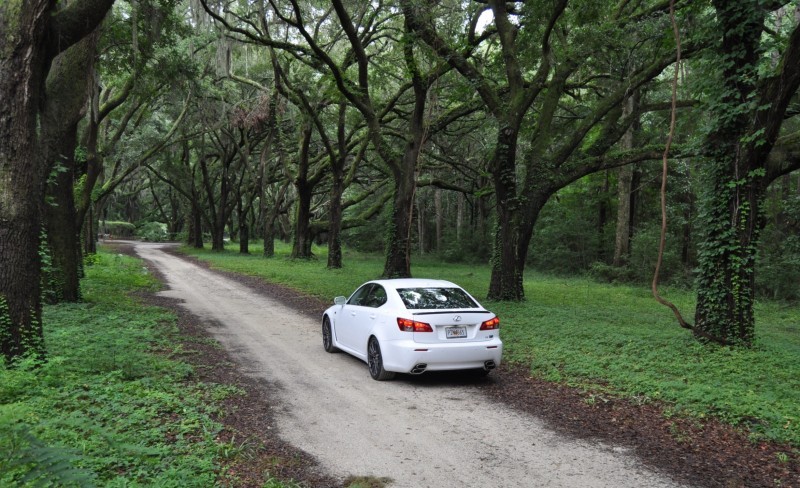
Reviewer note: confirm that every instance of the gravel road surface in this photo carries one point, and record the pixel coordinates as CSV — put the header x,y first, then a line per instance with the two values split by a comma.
x,y
417,431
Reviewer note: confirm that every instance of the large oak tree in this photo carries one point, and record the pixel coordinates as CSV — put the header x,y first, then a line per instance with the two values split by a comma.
x,y
748,107
32,34
562,75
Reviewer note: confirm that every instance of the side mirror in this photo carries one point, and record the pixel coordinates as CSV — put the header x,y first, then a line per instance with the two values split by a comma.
x,y
340,300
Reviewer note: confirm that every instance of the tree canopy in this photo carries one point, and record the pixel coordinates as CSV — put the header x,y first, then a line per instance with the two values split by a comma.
x,y
516,134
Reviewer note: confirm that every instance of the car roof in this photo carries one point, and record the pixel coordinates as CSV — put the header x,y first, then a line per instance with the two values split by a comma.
x,y
416,283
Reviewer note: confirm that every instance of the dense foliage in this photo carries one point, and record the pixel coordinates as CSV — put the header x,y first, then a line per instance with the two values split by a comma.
x,y
519,134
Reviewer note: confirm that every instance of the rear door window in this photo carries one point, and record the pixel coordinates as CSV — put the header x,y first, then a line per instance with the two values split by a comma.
x,y
360,296
376,297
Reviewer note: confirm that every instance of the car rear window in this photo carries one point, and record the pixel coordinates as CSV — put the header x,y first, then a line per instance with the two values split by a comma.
x,y
435,298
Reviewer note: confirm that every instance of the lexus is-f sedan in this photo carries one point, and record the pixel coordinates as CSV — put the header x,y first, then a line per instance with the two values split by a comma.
x,y
413,326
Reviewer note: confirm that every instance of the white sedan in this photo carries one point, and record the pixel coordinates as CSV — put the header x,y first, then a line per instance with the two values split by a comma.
x,y
413,326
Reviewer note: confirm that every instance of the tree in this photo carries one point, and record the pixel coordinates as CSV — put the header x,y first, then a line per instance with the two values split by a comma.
x,y
625,196
343,55
68,88
32,34
746,155
558,86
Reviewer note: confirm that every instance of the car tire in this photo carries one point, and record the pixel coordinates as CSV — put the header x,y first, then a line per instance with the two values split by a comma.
x,y
375,362
327,336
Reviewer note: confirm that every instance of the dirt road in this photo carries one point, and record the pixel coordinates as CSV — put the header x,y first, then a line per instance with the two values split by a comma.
x,y
418,432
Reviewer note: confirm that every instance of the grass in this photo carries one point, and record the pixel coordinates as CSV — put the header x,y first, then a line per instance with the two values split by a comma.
x,y
604,338
105,409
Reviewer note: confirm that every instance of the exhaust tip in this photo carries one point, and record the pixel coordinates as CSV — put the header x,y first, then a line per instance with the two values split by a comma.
x,y
489,365
419,368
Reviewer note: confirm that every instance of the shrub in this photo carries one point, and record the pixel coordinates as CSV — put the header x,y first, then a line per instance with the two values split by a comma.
x,y
563,243
117,228
644,254
642,262
152,231
470,248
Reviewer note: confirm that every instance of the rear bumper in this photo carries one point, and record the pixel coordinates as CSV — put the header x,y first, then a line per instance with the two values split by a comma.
x,y
402,356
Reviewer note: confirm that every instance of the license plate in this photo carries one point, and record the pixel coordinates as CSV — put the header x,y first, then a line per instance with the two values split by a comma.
x,y
455,332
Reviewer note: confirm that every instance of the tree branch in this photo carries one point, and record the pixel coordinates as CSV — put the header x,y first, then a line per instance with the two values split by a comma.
x,y
74,22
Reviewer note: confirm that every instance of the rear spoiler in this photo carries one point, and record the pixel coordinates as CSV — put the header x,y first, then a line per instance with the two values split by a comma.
x,y
450,311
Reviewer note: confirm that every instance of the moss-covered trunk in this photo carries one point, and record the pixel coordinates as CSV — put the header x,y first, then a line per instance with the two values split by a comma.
x,y
67,92
63,235
507,272
22,68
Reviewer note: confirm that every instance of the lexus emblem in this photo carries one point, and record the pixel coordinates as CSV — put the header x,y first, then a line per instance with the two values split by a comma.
x,y
457,318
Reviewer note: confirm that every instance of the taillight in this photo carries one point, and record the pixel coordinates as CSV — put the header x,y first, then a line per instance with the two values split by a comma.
x,y
408,325
491,324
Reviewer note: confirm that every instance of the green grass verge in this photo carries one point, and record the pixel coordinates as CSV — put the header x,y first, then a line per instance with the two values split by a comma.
x,y
605,338
105,409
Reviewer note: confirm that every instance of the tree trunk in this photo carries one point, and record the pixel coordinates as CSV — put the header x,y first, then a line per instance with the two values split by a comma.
x,y
44,32
335,210
725,285
301,248
270,220
22,70
89,230
421,234
726,281
244,230
737,173
459,215
218,211
63,235
269,225
269,234
218,237
196,224
507,271
622,235
602,219
233,230
622,239
482,211
68,88
398,240
687,230
244,238
176,220
437,202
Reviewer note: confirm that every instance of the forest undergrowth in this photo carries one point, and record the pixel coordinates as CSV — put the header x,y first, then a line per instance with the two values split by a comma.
x,y
114,404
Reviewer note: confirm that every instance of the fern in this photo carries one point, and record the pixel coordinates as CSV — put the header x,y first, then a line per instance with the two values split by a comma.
x,y
27,461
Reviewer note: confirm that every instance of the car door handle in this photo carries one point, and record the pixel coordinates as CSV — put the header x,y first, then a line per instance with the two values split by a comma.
x,y
372,315
353,314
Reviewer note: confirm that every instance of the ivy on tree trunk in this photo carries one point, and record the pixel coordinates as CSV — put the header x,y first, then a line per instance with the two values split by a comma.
x,y
747,118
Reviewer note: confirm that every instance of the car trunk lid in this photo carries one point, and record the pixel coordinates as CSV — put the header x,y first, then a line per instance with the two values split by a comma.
x,y
454,326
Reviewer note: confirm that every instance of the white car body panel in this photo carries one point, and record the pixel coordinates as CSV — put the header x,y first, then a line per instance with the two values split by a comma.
x,y
353,324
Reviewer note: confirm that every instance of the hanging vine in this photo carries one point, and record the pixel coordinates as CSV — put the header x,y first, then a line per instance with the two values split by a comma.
x,y
665,158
